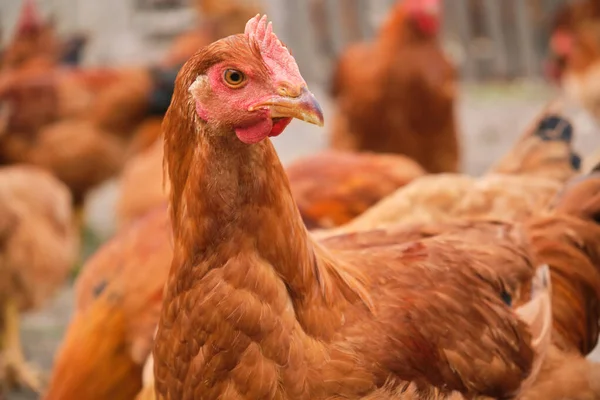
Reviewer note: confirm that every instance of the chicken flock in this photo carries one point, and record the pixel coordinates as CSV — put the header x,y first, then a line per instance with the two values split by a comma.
x,y
373,269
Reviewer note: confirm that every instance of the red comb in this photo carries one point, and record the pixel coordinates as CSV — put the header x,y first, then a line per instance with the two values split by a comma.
x,y
29,19
423,5
260,31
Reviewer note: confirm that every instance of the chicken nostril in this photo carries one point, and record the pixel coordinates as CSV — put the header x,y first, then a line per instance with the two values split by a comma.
x,y
287,90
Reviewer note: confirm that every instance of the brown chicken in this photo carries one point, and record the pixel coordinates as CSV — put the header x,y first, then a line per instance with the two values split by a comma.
x,y
36,45
575,53
398,93
82,124
116,314
39,246
255,307
521,183
71,380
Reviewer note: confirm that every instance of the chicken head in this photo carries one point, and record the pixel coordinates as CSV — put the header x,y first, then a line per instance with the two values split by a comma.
x,y
252,85
425,14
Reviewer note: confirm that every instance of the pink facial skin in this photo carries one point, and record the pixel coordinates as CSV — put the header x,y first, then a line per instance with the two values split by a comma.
x,y
233,104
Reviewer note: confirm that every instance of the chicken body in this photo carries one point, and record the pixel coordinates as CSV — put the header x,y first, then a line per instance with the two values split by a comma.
x,y
397,94
39,247
255,306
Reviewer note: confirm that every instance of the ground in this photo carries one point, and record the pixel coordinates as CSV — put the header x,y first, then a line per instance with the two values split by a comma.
x,y
491,117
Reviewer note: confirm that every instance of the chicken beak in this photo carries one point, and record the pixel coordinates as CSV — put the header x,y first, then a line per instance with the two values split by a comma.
x,y
300,104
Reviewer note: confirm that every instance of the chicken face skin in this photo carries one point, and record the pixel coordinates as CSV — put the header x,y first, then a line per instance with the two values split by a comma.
x,y
257,99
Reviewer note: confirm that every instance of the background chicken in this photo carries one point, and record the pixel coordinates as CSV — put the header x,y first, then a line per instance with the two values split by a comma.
x,y
333,187
35,43
524,181
116,314
398,93
575,52
39,246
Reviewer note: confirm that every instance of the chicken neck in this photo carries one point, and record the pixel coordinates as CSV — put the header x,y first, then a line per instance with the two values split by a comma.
x,y
233,199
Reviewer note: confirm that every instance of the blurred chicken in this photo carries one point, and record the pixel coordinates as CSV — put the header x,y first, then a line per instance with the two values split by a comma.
x,y
118,299
397,94
39,246
524,181
333,187
82,124
575,52
36,45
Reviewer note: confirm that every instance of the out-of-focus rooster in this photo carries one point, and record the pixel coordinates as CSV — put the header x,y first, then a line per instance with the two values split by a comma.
x,y
397,94
116,314
38,246
255,305
36,45
575,53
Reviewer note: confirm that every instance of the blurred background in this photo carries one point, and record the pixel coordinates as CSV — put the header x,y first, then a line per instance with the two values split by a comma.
x,y
500,50
488,40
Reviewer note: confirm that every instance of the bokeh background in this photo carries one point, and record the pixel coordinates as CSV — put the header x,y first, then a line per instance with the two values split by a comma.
x,y
499,47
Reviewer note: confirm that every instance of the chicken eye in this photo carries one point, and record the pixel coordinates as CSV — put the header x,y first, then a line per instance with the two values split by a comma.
x,y
234,78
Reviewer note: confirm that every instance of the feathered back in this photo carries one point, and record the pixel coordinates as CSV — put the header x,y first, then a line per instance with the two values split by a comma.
x,y
545,149
569,241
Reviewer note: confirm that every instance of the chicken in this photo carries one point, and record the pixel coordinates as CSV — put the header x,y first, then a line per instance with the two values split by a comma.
x,y
575,53
398,94
35,43
255,307
524,181
39,246
115,315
